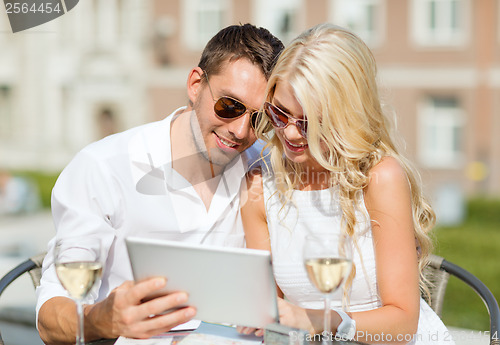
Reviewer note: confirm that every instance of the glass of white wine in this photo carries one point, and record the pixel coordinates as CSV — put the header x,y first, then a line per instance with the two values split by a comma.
x,y
328,262
78,264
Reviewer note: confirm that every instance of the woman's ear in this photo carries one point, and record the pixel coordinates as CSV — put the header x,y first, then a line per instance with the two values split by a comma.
x,y
194,83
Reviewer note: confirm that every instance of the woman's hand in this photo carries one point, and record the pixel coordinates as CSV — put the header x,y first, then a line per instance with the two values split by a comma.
x,y
297,317
310,320
289,315
259,332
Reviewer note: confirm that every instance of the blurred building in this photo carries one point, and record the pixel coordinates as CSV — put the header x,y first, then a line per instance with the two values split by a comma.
x,y
70,81
109,65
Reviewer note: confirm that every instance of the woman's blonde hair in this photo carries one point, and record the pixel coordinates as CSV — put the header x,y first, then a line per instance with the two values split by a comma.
x,y
333,75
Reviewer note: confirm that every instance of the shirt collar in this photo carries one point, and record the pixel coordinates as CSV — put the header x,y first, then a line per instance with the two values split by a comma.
x,y
149,150
151,157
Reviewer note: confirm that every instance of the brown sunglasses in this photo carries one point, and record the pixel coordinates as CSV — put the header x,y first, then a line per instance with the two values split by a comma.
x,y
280,119
229,108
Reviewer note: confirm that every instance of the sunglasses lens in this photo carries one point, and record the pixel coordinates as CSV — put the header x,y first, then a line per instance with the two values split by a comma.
x,y
277,117
254,117
280,119
302,126
229,108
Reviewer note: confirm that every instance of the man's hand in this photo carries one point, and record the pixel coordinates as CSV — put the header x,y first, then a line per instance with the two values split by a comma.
x,y
122,313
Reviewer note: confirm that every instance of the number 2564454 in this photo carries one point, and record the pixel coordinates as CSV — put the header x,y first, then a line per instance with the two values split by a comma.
x,y
23,7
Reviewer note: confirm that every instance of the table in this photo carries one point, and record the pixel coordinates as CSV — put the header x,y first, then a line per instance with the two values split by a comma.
x,y
220,330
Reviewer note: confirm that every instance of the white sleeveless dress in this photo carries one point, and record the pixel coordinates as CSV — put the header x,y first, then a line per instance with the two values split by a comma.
x,y
312,211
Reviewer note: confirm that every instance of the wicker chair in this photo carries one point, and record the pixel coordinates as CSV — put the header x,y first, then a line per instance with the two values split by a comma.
x,y
439,270
33,266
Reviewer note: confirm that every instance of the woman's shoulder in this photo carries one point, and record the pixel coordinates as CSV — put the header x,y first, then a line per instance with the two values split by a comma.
x,y
388,180
260,174
254,175
254,180
388,171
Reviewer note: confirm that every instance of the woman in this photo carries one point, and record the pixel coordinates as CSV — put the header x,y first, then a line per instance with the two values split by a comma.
x,y
332,160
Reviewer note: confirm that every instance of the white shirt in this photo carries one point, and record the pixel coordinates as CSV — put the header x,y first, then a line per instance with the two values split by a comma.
x,y
313,211
124,186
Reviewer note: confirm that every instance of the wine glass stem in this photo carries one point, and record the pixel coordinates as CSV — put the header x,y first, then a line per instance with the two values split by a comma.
x,y
327,326
79,334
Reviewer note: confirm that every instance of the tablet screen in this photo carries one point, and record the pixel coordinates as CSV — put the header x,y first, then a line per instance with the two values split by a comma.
x,y
226,285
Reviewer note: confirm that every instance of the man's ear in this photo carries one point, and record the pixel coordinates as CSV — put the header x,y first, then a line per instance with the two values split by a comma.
x,y
194,83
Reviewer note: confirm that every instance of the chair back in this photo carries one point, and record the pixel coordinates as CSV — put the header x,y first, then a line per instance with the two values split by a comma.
x,y
437,273
437,280
33,266
36,272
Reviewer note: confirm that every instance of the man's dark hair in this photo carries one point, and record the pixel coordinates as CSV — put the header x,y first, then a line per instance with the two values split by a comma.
x,y
246,41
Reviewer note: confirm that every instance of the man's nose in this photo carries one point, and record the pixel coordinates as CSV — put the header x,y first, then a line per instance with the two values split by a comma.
x,y
240,127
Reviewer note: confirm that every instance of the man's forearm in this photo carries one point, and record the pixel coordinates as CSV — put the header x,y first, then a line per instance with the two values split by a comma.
x,y
123,312
57,322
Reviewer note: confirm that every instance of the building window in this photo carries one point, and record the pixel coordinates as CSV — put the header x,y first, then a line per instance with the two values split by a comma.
x,y
106,121
441,132
440,22
104,20
279,17
6,117
203,19
364,17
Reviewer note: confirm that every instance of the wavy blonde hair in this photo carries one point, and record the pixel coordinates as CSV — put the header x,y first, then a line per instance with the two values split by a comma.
x,y
333,73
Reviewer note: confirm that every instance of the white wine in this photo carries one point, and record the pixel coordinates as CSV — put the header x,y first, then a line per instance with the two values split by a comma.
x,y
78,277
327,274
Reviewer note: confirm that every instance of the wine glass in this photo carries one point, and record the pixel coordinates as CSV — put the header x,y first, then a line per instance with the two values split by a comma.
x,y
328,262
78,264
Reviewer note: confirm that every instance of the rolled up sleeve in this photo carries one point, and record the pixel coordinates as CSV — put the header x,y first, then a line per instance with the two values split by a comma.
x,y
85,202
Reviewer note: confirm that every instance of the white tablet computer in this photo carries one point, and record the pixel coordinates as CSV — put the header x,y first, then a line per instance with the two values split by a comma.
x,y
226,285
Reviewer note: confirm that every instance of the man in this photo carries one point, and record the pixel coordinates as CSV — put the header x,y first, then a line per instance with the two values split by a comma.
x,y
176,179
